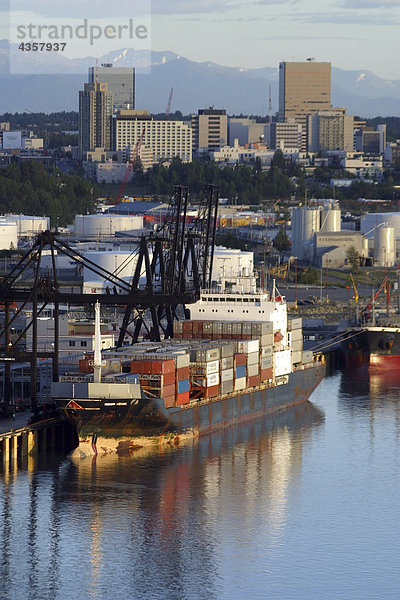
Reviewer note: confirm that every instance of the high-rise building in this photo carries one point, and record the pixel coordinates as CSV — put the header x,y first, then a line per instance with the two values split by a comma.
x,y
166,139
304,89
95,111
287,134
330,130
120,81
210,129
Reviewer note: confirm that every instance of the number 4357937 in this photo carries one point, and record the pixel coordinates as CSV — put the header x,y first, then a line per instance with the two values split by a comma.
x,y
42,46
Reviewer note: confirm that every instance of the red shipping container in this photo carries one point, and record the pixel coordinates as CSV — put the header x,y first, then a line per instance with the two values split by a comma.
x,y
253,381
169,401
168,379
246,336
240,359
266,374
182,373
84,366
182,398
140,366
168,390
187,336
162,366
197,327
178,336
187,326
211,391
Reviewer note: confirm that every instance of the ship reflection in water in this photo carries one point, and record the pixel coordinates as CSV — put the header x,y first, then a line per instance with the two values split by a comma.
x,y
172,523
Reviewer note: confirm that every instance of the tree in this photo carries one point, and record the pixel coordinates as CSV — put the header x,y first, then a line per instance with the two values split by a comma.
x,y
281,241
353,257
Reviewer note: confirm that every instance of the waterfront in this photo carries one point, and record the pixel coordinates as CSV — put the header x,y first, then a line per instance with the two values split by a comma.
x,y
302,505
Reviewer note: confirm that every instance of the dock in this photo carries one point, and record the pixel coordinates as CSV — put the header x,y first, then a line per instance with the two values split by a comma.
x,y
20,439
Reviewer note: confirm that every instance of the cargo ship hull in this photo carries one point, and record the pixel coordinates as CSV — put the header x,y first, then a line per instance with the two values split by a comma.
x,y
376,348
102,427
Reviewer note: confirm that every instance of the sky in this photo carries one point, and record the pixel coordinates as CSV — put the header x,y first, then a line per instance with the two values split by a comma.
x,y
351,34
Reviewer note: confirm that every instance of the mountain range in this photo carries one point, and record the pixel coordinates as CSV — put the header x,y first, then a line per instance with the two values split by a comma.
x,y
196,85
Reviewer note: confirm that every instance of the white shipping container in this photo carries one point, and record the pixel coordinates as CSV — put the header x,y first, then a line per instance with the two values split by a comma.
x,y
267,339
295,323
266,362
253,370
226,375
308,357
227,387
266,351
297,345
248,346
296,334
227,362
212,379
297,357
208,354
240,384
253,358
282,363
227,350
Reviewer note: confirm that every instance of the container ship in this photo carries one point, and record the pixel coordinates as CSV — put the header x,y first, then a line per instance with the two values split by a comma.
x,y
238,357
374,341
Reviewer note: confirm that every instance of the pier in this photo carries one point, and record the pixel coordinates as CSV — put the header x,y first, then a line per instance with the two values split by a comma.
x,y
20,439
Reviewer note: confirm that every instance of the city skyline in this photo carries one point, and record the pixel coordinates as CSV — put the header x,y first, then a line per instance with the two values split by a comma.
x,y
258,33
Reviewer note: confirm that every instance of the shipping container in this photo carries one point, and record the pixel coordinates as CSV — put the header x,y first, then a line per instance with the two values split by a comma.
x,y
205,368
240,371
297,346
226,387
266,351
252,370
227,362
182,373
182,398
205,354
226,375
169,401
307,357
266,374
253,358
211,392
294,323
182,386
240,384
282,363
248,346
297,357
240,359
266,362
253,381
262,328
267,339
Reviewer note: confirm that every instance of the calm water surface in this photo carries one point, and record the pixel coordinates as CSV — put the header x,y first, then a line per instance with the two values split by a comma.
x,y
305,506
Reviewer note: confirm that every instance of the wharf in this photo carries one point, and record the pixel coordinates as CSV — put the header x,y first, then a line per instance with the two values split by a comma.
x,y
20,439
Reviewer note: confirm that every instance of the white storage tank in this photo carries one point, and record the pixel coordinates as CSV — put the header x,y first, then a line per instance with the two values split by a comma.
x,y
119,263
8,234
305,223
385,246
95,225
330,217
29,226
370,222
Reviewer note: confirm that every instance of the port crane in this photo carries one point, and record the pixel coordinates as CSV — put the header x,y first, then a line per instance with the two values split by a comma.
x,y
173,265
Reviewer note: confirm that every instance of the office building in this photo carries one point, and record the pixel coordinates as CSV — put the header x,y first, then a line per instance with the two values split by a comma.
x,y
166,139
120,81
287,134
330,130
95,111
304,89
246,131
209,129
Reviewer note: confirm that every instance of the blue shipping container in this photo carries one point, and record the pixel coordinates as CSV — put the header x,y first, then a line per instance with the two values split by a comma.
x,y
240,371
183,386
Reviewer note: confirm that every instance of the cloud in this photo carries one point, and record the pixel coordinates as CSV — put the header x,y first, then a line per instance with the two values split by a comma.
x,y
119,8
371,3
346,18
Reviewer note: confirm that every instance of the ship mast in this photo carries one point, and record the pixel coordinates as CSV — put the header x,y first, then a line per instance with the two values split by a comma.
x,y
97,344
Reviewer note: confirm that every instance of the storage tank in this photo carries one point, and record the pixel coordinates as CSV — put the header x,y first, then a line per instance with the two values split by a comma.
x,y
120,263
305,222
8,234
385,246
370,221
95,225
330,218
29,226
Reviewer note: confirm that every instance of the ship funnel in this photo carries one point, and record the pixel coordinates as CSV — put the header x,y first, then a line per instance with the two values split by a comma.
x,y
97,344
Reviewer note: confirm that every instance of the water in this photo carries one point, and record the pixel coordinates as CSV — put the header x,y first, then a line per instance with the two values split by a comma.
x,y
301,506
